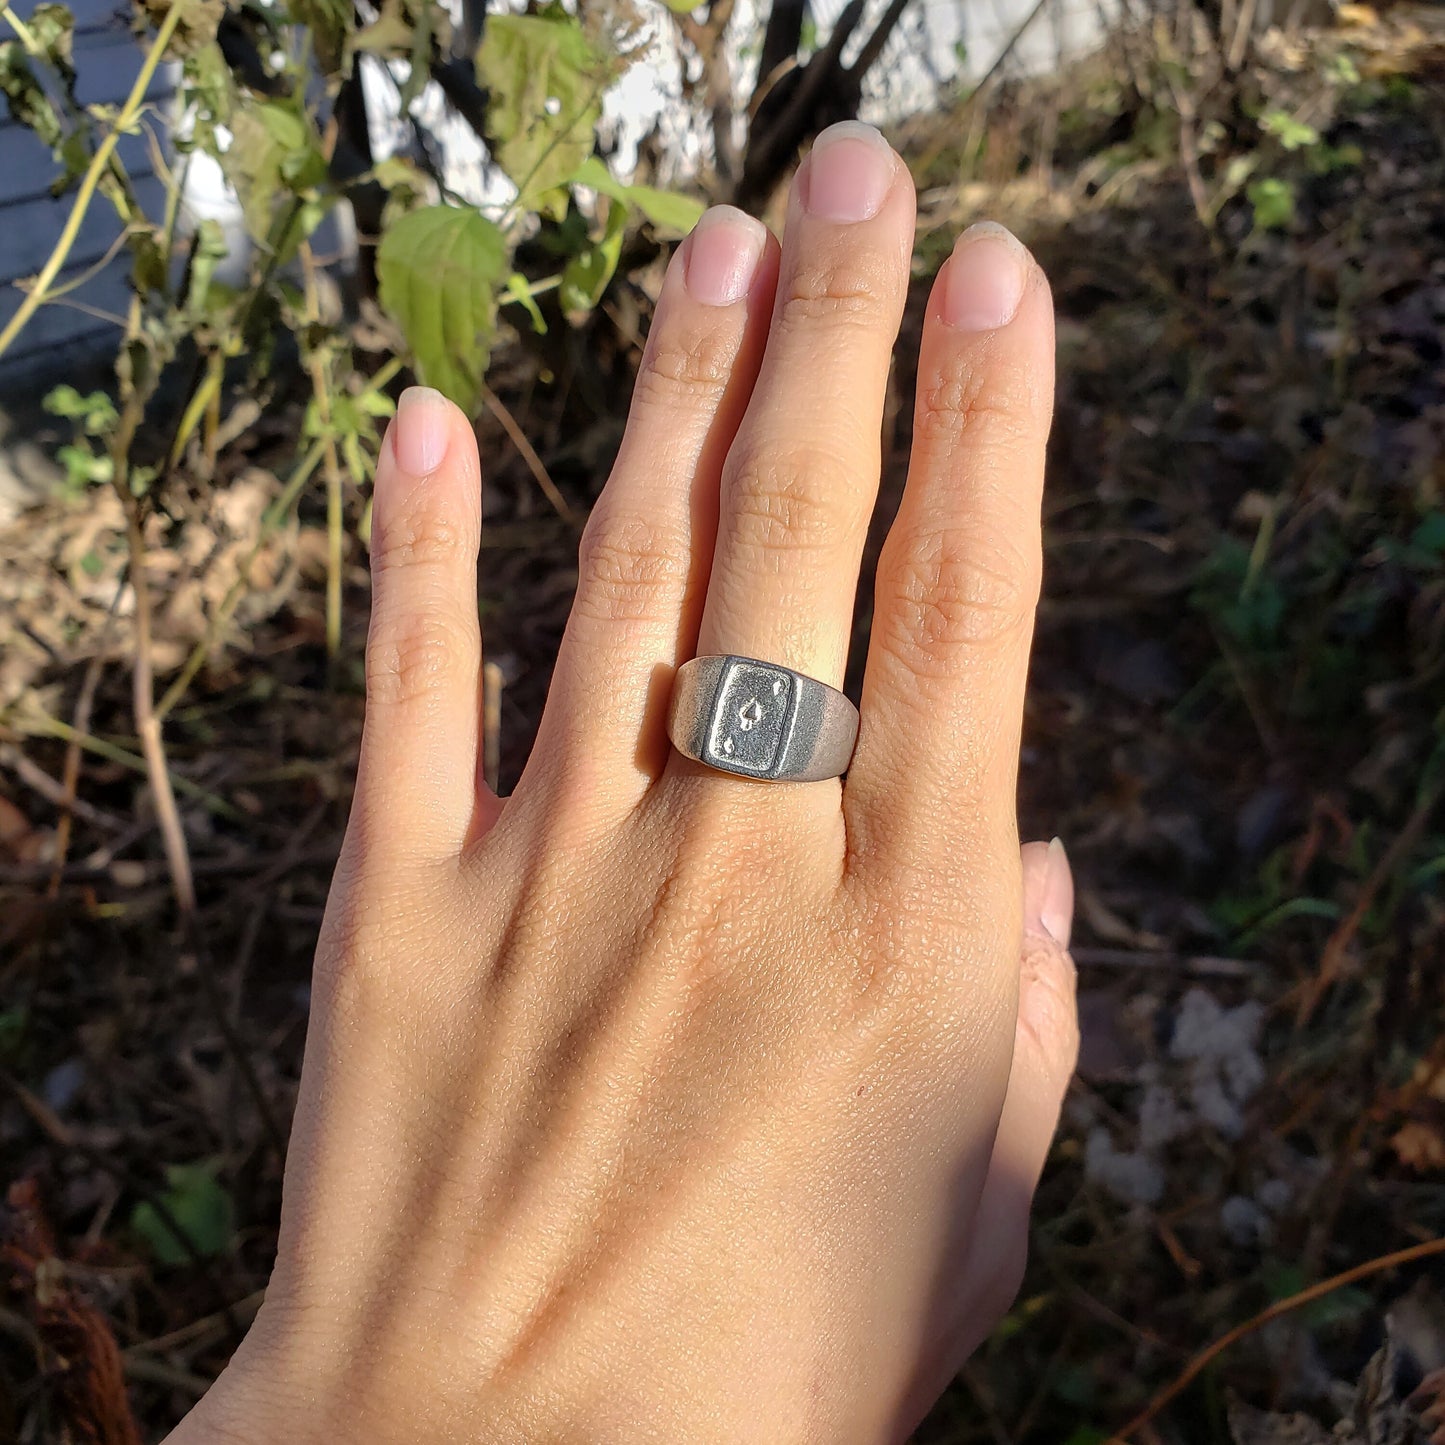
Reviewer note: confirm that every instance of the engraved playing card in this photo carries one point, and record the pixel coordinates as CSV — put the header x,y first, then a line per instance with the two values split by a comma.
x,y
750,718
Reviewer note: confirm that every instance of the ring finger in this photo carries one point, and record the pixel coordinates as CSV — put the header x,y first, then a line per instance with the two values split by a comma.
x,y
642,566
801,476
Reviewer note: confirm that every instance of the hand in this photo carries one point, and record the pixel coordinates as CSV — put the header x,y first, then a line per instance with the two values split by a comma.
x,y
653,1103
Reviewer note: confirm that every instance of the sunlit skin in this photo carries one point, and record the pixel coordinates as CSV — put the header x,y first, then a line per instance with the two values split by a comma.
x,y
652,1103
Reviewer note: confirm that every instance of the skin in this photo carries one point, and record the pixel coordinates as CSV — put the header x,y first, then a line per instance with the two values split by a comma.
x,y
652,1103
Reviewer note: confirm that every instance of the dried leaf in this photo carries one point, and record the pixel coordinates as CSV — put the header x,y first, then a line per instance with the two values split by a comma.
x,y
545,79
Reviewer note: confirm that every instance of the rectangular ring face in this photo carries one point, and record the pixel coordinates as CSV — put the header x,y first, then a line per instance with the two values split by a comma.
x,y
750,718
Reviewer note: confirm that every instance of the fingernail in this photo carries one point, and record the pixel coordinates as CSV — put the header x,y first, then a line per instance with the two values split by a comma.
x,y
722,256
986,277
1057,912
419,430
849,172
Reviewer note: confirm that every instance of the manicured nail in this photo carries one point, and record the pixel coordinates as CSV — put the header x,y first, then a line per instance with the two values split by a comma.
x,y
1057,912
420,429
849,172
986,277
723,255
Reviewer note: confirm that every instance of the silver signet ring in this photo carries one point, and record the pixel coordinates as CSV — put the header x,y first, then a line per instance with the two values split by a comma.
x,y
758,720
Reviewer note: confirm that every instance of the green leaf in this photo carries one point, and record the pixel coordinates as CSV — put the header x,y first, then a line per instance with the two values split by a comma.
x,y
148,263
439,270
418,71
1239,170
27,100
1429,535
53,27
520,291
1292,134
274,153
389,35
1283,1281
682,7
208,250
1343,69
12,1030
545,79
210,93
1273,202
663,208
1074,1384
94,410
588,272
199,1204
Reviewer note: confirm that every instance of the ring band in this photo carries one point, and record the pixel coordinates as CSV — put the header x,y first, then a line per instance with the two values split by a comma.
x,y
758,720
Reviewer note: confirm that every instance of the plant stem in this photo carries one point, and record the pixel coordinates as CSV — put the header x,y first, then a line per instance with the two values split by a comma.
x,y
1281,1307
527,452
147,724
321,386
40,724
31,44
99,163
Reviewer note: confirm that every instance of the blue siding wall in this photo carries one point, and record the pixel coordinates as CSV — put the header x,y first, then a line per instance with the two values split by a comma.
x,y
107,61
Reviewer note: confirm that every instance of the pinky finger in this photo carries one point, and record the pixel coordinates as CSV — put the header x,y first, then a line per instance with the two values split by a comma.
x,y
417,795
1046,1047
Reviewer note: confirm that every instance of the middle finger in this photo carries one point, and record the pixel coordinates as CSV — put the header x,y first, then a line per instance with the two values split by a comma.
x,y
801,476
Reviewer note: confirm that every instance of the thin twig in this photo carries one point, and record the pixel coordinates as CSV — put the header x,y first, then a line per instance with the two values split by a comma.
x,y
147,724
1201,965
1202,1360
160,1372
57,793
203,1329
988,1407
528,454
1189,155
173,837
1242,31
70,778
37,723
143,872
1004,55
1332,960
235,1044
99,163
331,466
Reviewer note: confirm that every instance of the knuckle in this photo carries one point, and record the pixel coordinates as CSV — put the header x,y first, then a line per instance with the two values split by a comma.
x,y
1048,1004
419,536
847,288
956,591
969,394
366,936
626,565
355,939
685,364
789,499
411,656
